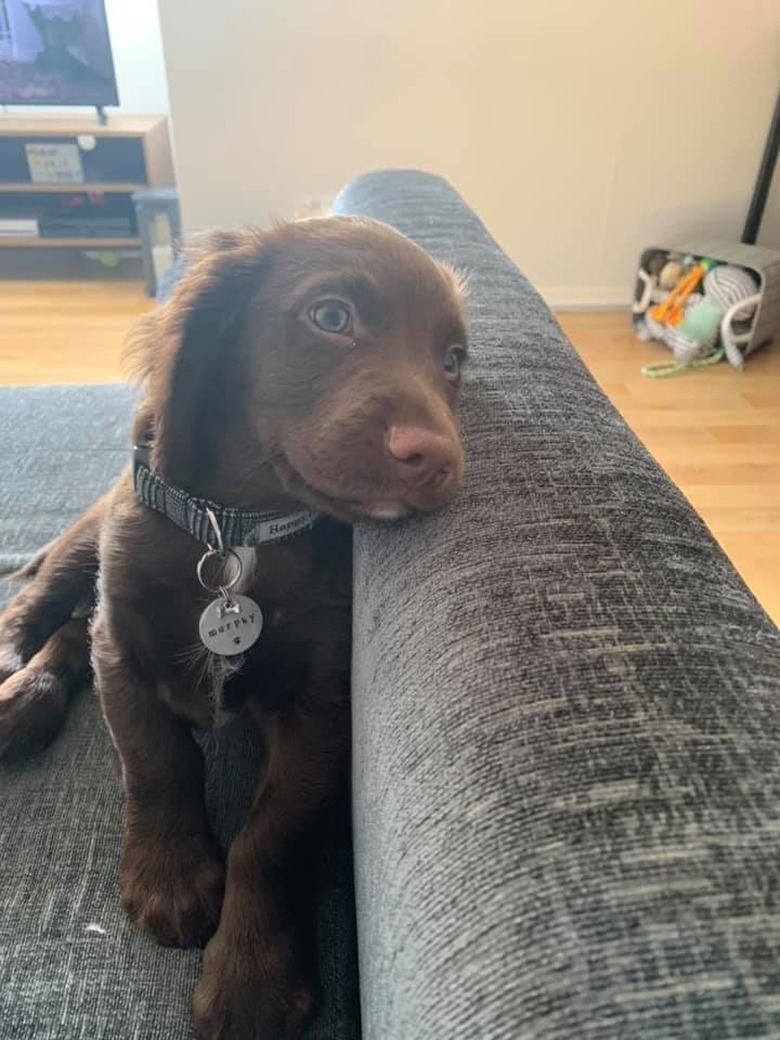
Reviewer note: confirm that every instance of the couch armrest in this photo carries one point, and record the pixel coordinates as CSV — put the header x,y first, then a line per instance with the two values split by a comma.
x,y
566,715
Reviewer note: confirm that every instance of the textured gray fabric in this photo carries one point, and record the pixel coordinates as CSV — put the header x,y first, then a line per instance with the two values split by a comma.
x,y
60,447
566,732
60,814
566,716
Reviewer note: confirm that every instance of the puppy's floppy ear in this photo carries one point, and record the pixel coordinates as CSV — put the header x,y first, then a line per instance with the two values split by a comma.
x,y
202,325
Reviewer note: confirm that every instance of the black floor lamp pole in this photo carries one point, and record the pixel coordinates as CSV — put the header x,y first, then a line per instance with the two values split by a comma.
x,y
764,180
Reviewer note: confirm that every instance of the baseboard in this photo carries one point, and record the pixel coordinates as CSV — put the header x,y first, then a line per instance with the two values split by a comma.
x,y
587,297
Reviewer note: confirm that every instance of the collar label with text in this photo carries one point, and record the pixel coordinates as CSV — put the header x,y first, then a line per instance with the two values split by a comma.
x,y
239,527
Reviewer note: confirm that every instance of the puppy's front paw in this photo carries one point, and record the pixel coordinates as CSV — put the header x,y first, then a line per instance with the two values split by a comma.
x,y
172,890
32,706
248,993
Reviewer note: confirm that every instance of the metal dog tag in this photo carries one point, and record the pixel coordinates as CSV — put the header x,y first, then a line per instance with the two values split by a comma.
x,y
230,626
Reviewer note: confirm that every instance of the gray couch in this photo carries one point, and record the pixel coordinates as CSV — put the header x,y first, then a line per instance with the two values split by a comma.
x,y
566,782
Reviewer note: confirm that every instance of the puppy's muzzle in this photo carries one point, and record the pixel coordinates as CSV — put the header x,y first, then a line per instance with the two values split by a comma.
x,y
425,462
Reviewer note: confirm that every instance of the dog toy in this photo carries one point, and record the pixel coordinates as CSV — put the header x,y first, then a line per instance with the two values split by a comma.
x,y
671,310
729,296
701,321
647,289
670,275
734,292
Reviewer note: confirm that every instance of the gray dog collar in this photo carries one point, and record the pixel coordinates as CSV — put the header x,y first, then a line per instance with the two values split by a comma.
x,y
239,527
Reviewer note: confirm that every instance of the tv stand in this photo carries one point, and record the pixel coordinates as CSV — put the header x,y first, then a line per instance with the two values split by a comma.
x,y
80,196
102,118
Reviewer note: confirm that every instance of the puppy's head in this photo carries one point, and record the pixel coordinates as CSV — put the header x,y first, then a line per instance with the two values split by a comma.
x,y
327,353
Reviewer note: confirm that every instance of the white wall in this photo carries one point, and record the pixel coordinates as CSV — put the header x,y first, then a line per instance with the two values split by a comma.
x,y
138,58
580,131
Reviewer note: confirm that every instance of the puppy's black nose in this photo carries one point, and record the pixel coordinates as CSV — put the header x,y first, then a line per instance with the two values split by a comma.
x,y
421,458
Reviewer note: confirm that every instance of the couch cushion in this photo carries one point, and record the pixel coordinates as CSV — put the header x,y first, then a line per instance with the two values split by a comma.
x,y
70,965
566,715
60,447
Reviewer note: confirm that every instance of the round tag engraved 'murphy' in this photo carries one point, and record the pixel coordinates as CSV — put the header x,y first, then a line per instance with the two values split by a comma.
x,y
230,627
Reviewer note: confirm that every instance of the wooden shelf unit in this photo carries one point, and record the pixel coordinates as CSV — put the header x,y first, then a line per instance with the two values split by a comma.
x,y
30,242
128,153
46,189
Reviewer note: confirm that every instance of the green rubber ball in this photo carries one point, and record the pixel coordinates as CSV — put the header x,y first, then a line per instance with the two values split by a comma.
x,y
702,321
109,259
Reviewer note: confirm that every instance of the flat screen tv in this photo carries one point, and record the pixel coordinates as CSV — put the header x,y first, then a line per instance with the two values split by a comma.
x,y
55,52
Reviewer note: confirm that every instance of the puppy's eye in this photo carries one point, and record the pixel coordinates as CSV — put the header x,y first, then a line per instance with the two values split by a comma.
x,y
453,360
332,316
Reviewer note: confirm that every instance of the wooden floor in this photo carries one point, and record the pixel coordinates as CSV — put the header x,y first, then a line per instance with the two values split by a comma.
x,y
716,432
65,332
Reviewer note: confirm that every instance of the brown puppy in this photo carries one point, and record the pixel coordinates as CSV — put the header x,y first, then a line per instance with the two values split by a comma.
x,y
315,366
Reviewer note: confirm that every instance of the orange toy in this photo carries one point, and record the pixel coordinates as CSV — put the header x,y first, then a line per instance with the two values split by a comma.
x,y
671,310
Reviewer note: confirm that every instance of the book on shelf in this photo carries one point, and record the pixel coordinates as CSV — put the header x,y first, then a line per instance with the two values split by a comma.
x,y
19,227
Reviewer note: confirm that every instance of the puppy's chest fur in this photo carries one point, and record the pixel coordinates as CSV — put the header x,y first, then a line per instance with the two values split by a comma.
x,y
302,587
305,602
268,674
